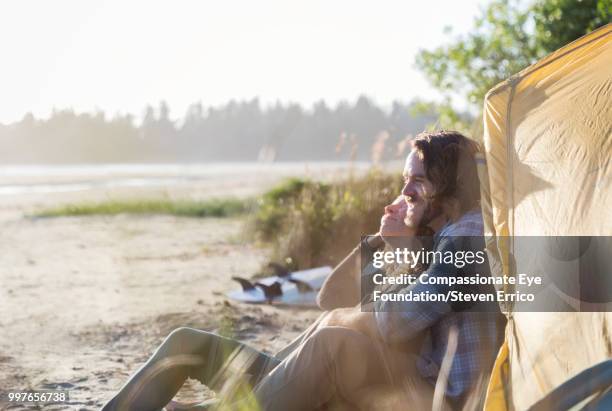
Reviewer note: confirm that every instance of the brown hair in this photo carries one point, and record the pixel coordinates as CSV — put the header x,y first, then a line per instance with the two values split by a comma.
x,y
448,158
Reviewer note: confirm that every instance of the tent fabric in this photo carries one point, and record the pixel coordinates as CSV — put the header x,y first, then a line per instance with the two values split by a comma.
x,y
548,172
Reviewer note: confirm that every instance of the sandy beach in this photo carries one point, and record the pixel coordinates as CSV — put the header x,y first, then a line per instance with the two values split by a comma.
x,y
85,300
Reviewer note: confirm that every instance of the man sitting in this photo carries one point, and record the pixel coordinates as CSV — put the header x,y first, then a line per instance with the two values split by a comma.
x,y
440,178
347,354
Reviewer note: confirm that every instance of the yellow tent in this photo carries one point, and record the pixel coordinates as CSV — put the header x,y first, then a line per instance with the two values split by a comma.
x,y
548,172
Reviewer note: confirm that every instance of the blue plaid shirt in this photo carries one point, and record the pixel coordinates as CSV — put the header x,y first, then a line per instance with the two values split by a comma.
x,y
478,332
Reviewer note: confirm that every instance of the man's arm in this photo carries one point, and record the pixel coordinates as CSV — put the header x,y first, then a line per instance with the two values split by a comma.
x,y
342,287
398,321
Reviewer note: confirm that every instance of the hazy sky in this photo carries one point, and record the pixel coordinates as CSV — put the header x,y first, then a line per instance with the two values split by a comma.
x,y
118,56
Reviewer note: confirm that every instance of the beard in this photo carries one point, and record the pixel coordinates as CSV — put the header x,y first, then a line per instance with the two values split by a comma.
x,y
429,214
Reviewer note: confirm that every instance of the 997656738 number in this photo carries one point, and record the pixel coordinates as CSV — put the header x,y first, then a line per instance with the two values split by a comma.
x,y
34,397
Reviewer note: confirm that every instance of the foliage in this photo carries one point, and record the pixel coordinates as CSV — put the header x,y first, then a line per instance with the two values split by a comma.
x,y
507,37
558,22
183,208
237,131
274,206
311,223
497,47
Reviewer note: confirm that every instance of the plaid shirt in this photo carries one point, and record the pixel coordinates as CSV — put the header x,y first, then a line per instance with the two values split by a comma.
x,y
479,333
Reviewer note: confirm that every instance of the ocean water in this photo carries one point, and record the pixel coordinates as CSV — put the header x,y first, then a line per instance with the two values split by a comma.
x,y
26,179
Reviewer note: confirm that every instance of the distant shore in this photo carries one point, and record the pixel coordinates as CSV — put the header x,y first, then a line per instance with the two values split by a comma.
x,y
46,179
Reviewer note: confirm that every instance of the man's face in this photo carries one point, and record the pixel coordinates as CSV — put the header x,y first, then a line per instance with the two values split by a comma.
x,y
417,192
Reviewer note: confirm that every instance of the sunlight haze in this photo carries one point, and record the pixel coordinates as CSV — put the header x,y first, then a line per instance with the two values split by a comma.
x,y
118,56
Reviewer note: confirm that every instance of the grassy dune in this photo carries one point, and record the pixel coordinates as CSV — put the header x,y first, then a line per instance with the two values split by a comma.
x,y
306,223
310,223
185,208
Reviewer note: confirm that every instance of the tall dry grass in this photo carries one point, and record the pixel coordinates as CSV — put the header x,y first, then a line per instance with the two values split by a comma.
x,y
310,223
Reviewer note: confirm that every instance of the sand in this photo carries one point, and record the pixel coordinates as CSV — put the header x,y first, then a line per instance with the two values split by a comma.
x,y
84,301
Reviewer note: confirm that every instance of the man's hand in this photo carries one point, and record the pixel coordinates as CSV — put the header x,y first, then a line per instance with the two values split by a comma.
x,y
353,318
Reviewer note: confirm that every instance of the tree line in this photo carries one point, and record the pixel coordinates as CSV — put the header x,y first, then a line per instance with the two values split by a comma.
x,y
237,131
507,36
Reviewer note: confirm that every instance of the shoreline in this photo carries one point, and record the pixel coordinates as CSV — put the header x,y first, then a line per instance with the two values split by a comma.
x,y
87,299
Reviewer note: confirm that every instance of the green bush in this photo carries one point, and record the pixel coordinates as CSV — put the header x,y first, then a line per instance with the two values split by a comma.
x,y
311,223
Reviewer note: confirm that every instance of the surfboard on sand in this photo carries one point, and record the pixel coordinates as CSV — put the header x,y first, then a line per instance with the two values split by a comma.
x,y
289,288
